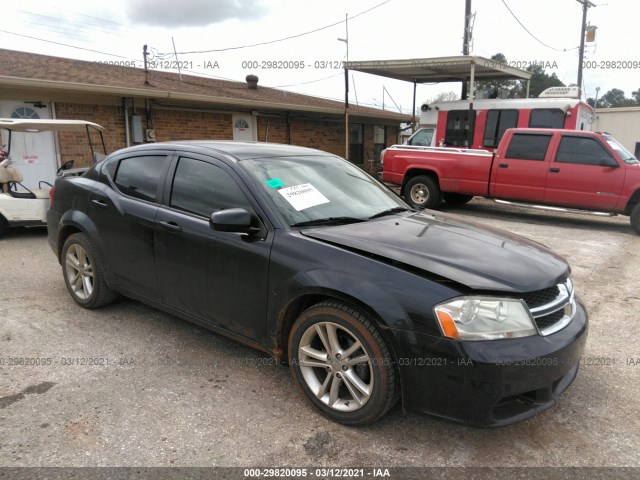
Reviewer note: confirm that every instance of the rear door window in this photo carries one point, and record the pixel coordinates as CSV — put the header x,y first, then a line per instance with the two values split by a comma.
x,y
140,177
528,146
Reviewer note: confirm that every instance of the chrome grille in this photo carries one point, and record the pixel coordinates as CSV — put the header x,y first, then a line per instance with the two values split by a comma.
x,y
552,308
541,297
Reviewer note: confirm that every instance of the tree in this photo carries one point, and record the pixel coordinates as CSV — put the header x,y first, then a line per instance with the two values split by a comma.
x,y
539,81
495,88
636,96
444,97
615,98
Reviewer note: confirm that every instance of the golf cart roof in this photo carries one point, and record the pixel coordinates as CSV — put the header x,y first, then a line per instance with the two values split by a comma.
x,y
27,125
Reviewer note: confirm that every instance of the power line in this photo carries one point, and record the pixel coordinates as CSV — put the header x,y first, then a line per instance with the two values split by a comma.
x,y
64,44
532,35
61,22
311,81
282,39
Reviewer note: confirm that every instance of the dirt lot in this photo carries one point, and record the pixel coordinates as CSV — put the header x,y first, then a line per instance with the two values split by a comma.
x,y
130,386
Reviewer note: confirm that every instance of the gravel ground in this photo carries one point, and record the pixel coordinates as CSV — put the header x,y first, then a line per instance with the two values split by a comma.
x,y
165,393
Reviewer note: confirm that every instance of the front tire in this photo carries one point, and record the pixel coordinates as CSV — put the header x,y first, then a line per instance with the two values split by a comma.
x,y
635,218
83,274
422,192
342,364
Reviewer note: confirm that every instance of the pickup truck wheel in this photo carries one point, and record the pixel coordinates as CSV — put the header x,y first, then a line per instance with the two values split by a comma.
x,y
635,218
82,271
456,198
342,364
422,192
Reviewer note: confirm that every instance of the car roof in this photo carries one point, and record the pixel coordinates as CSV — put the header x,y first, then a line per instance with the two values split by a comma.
x,y
239,150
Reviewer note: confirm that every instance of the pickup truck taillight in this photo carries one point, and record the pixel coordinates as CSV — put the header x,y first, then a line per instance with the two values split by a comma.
x,y
52,190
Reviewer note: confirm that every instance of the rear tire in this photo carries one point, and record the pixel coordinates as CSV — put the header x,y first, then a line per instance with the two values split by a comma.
x,y
83,273
342,364
422,192
457,198
635,218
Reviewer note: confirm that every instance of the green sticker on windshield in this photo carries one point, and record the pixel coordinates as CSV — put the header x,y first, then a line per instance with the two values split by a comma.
x,y
275,183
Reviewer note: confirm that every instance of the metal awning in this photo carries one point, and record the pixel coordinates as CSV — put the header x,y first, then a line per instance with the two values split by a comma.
x,y
439,69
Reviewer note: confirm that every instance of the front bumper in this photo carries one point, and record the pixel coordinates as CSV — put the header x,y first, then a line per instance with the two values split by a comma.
x,y
489,383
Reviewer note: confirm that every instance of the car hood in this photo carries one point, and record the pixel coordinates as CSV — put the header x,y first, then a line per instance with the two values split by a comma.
x,y
471,254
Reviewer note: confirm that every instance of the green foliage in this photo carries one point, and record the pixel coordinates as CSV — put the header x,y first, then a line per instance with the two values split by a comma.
x,y
616,98
495,88
539,82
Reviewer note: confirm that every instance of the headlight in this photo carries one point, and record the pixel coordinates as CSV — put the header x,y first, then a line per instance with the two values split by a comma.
x,y
485,318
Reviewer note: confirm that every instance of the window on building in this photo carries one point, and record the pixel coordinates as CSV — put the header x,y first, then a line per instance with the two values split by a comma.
x,y
24,112
202,188
379,141
498,121
528,146
356,142
546,118
457,132
139,177
582,150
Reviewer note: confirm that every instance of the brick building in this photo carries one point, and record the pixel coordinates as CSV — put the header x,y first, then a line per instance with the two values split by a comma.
x,y
136,106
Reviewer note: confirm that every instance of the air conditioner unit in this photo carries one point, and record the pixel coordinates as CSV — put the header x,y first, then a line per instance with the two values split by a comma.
x,y
560,92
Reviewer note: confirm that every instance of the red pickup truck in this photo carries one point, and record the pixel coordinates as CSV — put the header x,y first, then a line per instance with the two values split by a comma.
x,y
575,170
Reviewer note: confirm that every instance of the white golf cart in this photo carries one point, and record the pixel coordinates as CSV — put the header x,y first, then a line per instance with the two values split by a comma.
x,y
21,206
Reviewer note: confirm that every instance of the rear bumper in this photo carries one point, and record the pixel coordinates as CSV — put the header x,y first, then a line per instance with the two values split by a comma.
x,y
490,383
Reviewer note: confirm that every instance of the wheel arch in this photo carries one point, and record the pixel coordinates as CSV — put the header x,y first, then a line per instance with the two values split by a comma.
x,y
634,199
78,222
415,172
288,314
72,222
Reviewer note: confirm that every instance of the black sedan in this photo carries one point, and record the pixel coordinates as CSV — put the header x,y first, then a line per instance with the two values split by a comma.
x,y
301,254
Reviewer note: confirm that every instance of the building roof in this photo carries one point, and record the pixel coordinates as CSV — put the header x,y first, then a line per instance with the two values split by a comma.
x,y
23,69
630,109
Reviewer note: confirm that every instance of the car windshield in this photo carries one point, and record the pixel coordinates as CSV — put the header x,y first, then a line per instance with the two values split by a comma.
x,y
321,190
627,157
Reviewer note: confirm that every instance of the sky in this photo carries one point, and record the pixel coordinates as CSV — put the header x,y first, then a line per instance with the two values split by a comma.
x,y
294,45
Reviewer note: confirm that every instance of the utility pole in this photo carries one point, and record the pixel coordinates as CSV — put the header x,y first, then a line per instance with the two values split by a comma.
x,y
466,39
585,6
346,89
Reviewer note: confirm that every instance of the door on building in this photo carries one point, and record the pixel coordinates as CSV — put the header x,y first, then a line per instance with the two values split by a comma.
x,y
356,143
244,128
34,154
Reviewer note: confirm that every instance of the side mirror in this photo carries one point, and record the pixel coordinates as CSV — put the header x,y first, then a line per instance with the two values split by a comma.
x,y
236,220
66,166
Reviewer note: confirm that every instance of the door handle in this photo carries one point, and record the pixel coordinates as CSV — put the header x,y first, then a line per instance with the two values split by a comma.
x,y
554,170
171,226
101,203
504,165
